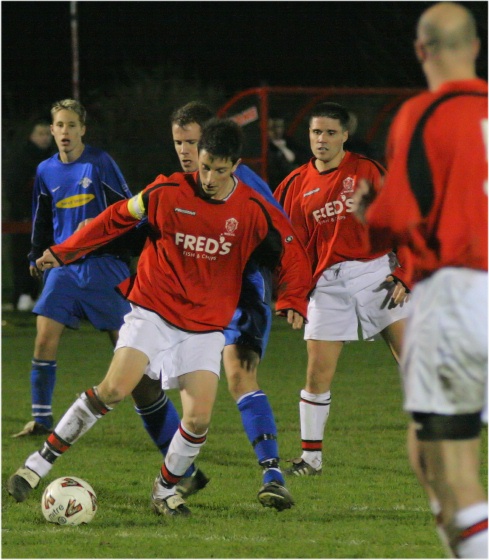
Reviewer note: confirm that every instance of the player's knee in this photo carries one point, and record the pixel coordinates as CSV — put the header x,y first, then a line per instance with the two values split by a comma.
x,y
197,422
45,346
111,393
437,427
240,382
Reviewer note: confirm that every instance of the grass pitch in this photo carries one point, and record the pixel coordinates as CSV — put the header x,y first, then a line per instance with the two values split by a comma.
x,y
366,504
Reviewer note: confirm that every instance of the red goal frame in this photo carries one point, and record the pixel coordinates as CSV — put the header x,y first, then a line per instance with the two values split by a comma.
x,y
261,103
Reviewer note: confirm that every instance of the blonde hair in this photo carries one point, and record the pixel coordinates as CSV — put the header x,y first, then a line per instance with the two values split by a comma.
x,y
70,105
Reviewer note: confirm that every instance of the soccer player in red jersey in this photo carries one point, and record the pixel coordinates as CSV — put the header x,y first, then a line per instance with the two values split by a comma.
x,y
352,285
204,226
434,201
246,337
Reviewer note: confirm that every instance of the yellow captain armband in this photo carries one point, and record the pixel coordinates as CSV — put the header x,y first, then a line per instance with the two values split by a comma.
x,y
136,208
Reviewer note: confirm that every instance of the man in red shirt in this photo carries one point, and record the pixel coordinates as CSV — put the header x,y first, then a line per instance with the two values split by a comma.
x,y
204,228
434,201
352,285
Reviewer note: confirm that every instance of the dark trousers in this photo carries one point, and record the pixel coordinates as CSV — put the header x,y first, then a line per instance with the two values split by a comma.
x,y
23,283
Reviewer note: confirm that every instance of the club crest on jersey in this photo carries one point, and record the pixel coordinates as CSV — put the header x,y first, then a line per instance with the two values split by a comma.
x,y
85,182
231,225
348,184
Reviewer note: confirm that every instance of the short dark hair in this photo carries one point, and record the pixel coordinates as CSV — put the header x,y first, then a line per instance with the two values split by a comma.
x,y
195,111
222,138
332,111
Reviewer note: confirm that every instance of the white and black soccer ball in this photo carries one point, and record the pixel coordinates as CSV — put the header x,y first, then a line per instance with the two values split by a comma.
x,y
69,501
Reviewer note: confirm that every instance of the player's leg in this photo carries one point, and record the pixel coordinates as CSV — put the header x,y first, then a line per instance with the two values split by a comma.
x,y
198,391
417,461
125,371
453,471
247,337
161,420
393,335
315,403
240,364
332,320
199,354
43,376
444,365
55,310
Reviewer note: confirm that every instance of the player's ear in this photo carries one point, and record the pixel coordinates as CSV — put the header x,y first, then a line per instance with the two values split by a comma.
x,y
236,165
476,48
420,51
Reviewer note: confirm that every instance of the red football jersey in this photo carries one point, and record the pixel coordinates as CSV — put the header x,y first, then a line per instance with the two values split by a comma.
x,y
191,266
320,204
434,198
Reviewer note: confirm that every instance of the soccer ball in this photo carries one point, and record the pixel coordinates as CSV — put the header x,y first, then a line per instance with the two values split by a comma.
x,y
69,501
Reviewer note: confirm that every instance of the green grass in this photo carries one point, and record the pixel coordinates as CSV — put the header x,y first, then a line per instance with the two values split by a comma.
x,y
367,503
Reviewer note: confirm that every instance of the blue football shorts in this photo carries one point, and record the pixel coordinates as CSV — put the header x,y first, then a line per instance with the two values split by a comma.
x,y
252,320
85,290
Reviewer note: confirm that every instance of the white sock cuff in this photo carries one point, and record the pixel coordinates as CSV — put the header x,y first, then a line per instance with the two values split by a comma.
x,y
192,434
245,395
324,398
38,464
469,515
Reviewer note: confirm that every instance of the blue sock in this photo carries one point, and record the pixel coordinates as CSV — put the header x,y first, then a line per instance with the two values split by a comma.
x,y
43,380
161,421
259,425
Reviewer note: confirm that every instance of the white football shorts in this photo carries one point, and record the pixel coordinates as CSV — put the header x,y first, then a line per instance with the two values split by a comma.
x,y
171,351
444,357
350,295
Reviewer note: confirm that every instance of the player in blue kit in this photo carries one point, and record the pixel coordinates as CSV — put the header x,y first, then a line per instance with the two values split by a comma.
x,y
246,337
72,187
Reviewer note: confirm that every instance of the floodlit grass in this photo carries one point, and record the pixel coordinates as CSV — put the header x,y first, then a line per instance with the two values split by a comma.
x,y
367,504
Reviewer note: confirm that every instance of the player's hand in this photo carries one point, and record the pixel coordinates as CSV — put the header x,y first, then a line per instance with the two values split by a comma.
x,y
47,261
35,272
293,318
362,198
399,294
84,223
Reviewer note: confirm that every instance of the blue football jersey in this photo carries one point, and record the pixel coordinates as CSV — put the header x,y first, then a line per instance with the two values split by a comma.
x,y
252,320
65,194
249,177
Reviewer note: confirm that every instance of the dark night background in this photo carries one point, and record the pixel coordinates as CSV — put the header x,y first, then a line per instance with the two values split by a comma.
x,y
141,60
233,45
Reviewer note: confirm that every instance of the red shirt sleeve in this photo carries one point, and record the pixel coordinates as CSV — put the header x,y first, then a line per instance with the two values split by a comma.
x,y
113,222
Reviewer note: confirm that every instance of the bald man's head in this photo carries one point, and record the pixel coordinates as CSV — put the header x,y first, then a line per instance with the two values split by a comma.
x,y
447,45
447,25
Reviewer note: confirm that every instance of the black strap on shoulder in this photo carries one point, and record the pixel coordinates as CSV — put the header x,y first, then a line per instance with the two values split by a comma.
x,y
418,168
